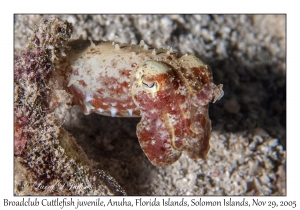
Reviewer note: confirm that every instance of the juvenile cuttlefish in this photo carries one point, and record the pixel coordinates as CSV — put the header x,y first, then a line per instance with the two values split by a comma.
x,y
169,92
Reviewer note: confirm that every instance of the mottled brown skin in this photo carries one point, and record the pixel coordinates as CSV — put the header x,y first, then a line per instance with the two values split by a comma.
x,y
175,117
170,93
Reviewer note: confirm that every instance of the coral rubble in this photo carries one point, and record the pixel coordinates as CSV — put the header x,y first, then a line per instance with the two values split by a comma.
x,y
48,160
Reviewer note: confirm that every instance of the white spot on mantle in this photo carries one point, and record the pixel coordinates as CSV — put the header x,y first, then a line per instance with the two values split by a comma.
x,y
113,111
89,107
130,112
88,97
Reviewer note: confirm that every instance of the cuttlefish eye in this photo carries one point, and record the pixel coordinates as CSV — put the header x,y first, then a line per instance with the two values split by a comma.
x,y
149,76
149,85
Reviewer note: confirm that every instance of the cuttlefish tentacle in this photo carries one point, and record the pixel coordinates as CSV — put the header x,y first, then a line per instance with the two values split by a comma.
x,y
156,131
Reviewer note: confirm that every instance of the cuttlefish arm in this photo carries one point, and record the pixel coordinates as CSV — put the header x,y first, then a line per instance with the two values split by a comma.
x,y
174,109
